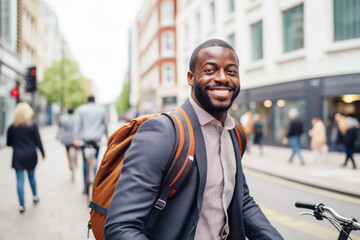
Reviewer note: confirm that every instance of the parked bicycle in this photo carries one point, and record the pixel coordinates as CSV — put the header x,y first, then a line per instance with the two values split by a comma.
x,y
320,211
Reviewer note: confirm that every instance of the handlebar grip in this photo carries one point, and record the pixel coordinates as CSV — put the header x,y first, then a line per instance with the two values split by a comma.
x,y
305,205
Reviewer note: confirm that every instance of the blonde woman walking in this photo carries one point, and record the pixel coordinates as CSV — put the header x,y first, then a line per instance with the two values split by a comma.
x,y
23,136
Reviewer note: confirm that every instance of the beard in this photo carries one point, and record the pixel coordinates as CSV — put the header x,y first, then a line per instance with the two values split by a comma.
x,y
207,104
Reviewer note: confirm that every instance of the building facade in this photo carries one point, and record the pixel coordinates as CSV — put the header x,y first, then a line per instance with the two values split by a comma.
x,y
29,36
293,53
156,56
11,69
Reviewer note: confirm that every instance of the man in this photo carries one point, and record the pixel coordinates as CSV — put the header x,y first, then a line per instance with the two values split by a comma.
x,y
92,125
294,133
214,202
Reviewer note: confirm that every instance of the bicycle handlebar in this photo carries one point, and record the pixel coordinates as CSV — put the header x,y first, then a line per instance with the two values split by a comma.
x,y
323,208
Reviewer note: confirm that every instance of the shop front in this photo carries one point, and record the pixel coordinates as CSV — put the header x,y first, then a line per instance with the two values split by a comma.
x,y
320,97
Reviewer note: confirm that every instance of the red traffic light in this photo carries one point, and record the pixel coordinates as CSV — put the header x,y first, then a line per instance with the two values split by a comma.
x,y
15,92
33,72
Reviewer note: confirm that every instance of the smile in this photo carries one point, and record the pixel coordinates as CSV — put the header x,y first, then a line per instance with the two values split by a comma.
x,y
221,91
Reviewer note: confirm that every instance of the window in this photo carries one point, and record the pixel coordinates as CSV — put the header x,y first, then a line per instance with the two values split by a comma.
x,y
8,20
231,38
231,6
168,75
256,41
167,11
212,12
293,27
167,42
346,19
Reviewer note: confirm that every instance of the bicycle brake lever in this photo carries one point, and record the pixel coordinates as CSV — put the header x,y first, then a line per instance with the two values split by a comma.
x,y
307,213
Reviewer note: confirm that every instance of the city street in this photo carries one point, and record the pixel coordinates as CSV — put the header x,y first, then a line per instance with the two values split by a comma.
x,y
63,213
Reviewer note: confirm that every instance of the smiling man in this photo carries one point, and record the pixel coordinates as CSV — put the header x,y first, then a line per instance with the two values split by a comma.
x,y
214,202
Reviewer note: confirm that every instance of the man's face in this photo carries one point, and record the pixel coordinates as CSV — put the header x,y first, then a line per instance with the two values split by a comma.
x,y
215,83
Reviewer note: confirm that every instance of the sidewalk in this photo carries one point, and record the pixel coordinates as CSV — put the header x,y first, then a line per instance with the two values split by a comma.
x,y
63,213
327,174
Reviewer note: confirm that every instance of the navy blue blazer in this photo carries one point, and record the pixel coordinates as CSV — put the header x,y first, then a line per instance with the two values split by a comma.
x,y
145,164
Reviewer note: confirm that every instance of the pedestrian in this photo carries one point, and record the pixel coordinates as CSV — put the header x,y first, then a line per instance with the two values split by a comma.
x,y
339,127
66,133
318,138
23,136
214,203
258,132
349,139
92,125
247,121
294,133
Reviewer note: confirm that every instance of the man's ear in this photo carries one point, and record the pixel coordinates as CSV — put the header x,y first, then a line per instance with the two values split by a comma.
x,y
190,77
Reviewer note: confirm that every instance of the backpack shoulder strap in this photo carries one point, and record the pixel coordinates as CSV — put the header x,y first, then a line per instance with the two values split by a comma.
x,y
181,163
241,136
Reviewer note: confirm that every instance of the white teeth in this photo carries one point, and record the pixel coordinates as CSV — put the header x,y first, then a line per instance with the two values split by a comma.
x,y
220,91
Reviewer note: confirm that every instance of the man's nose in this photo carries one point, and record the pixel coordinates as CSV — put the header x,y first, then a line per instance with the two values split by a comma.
x,y
221,76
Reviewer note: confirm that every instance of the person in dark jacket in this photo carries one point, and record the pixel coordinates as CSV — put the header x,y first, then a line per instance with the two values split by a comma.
x,y
294,133
23,136
258,131
349,139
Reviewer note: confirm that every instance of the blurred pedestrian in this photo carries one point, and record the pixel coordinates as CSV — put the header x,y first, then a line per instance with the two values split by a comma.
x,y
247,121
66,132
318,138
294,133
92,125
349,139
258,132
23,136
339,127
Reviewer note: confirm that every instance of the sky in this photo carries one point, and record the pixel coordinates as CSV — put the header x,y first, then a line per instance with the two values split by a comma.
x,y
97,32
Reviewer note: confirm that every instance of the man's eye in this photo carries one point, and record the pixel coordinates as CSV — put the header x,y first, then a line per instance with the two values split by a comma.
x,y
231,71
209,70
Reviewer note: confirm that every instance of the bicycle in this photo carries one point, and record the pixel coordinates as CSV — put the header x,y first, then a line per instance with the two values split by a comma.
x,y
73,156
320,211
89,152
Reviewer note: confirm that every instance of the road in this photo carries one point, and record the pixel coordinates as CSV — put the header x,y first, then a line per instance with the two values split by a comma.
x,y
277,198
63,213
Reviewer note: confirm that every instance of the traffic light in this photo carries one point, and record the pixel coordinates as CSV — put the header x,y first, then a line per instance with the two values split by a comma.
x,y
31,79
15,92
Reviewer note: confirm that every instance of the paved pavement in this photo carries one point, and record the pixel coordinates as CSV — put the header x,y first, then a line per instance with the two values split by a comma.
x,y
326,173
63,213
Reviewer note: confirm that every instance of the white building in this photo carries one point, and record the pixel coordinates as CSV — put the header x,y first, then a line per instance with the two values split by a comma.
x,y
293,53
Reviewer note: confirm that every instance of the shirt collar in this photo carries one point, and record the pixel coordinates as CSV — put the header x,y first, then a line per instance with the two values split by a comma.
x,y
206,118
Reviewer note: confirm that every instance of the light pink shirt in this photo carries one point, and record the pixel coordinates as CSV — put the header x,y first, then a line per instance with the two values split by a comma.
x,y
220,180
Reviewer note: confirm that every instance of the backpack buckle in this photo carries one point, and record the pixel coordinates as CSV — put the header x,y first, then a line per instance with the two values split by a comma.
x,y
160,204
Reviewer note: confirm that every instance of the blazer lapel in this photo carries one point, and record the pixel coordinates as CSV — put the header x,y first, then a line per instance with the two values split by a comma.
x,y
200,151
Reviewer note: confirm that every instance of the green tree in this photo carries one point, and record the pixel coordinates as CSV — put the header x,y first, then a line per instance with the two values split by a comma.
x,y
64,73
122,104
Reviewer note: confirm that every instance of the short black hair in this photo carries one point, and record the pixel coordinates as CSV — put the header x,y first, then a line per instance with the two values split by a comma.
x,y
209,43
91,99
70,110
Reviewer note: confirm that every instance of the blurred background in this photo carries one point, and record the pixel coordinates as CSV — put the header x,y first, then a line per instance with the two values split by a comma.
x,y
133,57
